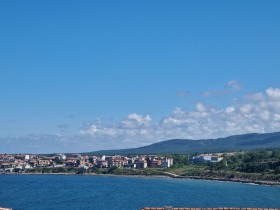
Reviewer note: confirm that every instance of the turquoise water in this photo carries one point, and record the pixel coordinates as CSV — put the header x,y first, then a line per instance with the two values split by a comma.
x,y
110,192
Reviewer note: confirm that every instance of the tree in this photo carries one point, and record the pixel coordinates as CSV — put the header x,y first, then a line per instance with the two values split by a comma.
x,y
112,169
57,160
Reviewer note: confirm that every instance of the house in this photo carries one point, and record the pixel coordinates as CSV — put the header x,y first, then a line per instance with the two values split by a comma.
x,y
130,161
33,163
206,158
57,165
70,163
19,166
27,157
133,165
89,165
43,163
80,162
27,166
167,162
62,156
141,164
76,155
117,161
6,165
155,163
102,163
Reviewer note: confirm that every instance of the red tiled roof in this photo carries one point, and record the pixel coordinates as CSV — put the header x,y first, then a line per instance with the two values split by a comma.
x,y
5,164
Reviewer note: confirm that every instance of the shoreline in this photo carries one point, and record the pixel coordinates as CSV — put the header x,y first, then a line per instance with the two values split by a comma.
x,y
221,179
165,175
244,181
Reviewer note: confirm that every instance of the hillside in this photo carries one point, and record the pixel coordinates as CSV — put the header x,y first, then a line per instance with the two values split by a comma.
x,y
180,146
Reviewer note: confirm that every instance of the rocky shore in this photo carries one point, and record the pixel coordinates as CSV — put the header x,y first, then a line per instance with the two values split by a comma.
x,y
258,182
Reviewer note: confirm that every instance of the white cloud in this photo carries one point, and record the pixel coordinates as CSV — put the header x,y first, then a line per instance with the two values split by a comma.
x,y
182,93
277,117
200,107
214,93
255,97
126,132
234,85
273,93
246,108
134,120
230,109
231,87
265,115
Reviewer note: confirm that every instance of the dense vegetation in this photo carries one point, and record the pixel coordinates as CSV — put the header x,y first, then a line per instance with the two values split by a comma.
x,y
252,165
181,146
46,170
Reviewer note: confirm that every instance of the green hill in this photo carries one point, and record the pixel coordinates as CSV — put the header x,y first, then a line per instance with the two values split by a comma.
x,y
231,143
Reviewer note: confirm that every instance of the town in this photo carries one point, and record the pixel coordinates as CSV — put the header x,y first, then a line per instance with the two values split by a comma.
x,y
20,163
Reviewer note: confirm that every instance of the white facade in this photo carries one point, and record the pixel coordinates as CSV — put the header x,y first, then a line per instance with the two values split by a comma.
x,y
207,158
166,163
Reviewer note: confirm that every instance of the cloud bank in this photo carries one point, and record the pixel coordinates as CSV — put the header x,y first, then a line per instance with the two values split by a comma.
x,y
254,113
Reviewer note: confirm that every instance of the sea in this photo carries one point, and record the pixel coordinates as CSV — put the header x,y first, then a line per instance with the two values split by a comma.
x,y
47,192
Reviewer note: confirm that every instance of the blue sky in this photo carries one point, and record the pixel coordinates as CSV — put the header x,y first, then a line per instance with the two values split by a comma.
x,y
90,75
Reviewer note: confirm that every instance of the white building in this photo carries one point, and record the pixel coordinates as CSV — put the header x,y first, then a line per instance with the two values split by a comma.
x,y
167,162
206,158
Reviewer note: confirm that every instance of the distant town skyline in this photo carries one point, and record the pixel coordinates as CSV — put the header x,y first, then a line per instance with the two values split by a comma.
x,y
86,76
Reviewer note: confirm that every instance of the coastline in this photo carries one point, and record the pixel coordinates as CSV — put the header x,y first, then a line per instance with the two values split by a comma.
x,y
165,175
221,179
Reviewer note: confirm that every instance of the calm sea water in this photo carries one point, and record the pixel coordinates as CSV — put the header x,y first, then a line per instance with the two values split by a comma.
x,y
109,192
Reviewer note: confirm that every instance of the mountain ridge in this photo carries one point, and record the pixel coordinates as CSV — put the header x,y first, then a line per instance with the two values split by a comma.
x,y
233,143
